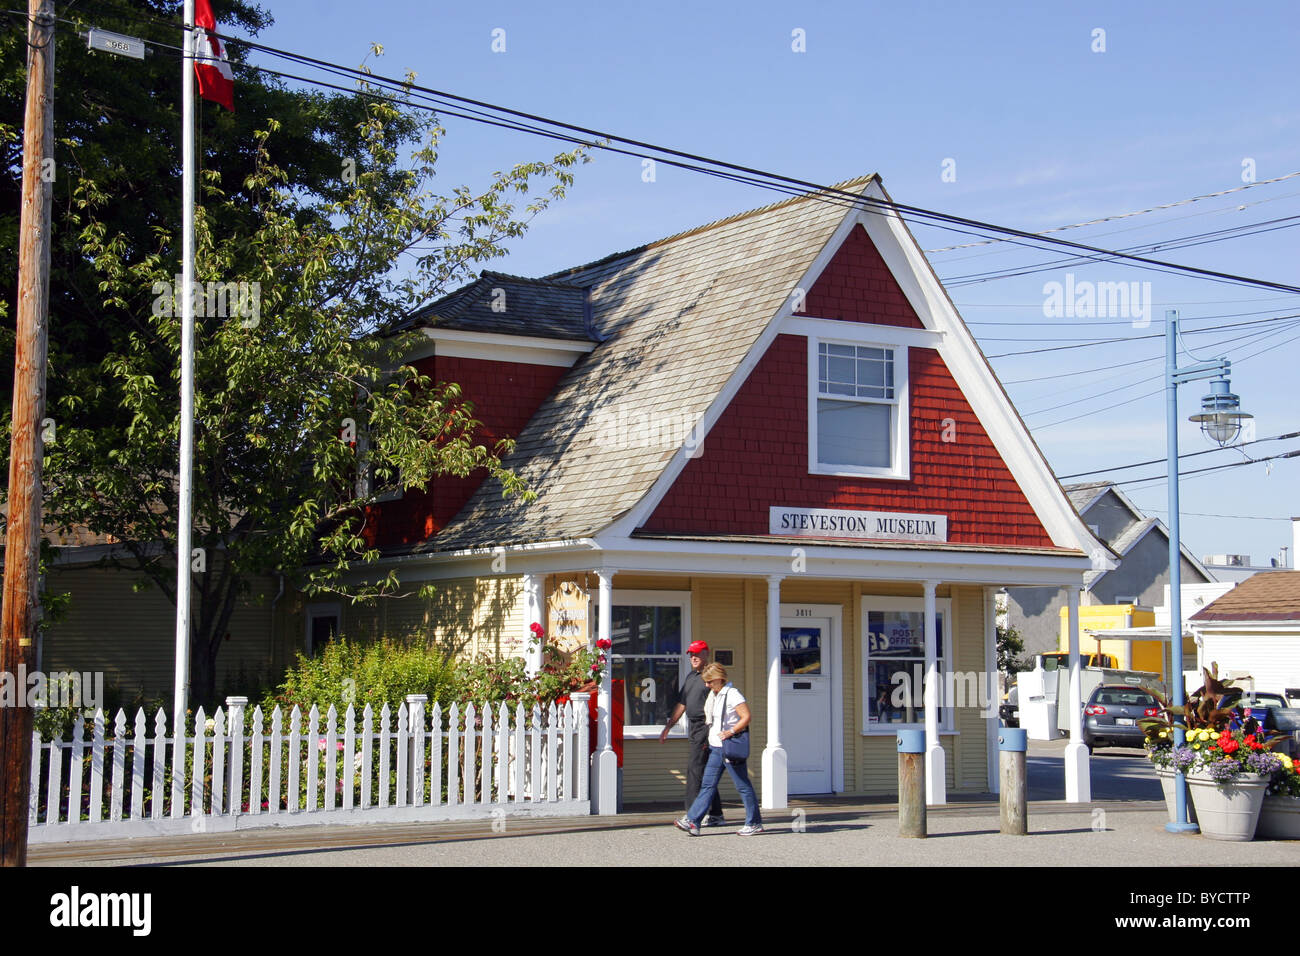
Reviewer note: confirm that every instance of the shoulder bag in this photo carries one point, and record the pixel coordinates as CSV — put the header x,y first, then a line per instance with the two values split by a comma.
x,y
734,749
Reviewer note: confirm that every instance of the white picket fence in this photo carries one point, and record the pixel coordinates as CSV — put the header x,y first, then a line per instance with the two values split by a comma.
x,y
421,766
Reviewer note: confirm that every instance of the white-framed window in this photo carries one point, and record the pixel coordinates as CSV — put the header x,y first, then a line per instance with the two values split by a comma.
x,y
893,662
858,409
650,632
323,624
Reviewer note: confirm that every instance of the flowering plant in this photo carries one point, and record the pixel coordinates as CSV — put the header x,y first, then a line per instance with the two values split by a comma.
x,y
1286,778
1226,753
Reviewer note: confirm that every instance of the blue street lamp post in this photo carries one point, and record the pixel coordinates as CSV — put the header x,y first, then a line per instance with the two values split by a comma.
x,y
1220,419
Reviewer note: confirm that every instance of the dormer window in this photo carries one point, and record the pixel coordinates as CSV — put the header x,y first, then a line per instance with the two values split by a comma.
x,y
857,417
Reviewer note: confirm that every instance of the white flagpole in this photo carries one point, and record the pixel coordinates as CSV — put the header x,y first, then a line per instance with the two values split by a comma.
x,y
183,521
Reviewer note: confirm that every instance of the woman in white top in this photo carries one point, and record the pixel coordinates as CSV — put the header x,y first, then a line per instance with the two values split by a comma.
x,y
728,717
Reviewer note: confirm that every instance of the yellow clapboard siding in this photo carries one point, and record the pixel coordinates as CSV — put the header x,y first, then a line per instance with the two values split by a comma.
x,y
130,635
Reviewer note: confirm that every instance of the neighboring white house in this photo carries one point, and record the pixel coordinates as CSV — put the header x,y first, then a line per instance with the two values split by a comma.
x,y
1255,628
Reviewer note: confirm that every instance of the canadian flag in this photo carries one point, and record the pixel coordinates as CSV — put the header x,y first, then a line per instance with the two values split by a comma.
x,y
211,68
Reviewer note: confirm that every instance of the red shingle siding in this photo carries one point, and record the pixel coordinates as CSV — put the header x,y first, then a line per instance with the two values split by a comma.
x,y
857,286
756,456
505,396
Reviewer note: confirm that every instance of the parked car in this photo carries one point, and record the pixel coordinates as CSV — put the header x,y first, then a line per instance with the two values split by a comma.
x,y
1009,709
1111,715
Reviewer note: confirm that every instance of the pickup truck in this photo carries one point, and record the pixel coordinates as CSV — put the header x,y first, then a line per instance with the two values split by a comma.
x,y
1269,708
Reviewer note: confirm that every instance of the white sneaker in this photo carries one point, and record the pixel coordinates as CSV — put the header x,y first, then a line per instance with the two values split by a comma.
x,y
714,821
750,831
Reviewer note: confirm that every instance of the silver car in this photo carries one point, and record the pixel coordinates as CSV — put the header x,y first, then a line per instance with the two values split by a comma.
x,y
1111,716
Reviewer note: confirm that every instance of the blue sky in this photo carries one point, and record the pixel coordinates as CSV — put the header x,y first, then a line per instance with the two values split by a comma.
x,y
1042,129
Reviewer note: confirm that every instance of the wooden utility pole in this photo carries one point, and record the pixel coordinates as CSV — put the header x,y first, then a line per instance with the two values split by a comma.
x,y
21,607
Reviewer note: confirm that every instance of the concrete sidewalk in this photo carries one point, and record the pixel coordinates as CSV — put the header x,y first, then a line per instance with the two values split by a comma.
x,y
818,832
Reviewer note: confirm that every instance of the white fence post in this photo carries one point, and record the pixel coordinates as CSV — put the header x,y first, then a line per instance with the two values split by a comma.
x,y
581,766
415,704
349,755
367,745
235,714
313,757
34,791
159,764
218,763
138,752
453,756
97,769
330,751
256,742
435,757
468,775
55,781
502,748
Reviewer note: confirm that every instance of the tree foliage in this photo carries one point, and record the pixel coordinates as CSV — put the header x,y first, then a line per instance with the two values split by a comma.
x,y
317,230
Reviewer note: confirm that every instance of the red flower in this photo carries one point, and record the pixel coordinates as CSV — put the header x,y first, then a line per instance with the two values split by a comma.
x,y
1229,746
536,629
604,643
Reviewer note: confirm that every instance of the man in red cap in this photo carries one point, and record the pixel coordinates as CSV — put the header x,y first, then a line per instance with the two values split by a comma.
x,y
691,693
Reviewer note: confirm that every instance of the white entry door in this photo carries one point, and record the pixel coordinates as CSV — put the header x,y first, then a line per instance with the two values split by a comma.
x,y
806,678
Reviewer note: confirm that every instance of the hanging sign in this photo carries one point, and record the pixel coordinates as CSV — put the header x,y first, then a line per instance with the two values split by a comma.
x,y
567,616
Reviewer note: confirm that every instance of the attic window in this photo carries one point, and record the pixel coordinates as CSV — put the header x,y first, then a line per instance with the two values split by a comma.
x,y
857,416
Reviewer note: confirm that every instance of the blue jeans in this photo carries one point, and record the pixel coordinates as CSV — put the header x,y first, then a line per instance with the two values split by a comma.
x,y
709,786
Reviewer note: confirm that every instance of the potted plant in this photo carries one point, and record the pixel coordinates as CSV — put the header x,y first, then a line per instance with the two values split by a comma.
x,y
1279,816
1169,761
1226,760
1228,779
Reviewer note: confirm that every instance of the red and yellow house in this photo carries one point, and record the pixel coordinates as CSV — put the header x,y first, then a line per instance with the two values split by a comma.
x,y
773,433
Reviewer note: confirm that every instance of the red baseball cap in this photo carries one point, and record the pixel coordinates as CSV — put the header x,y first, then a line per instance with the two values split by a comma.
x,y
698,647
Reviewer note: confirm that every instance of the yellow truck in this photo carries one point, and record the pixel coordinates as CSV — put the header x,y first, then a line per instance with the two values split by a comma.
x,y
1130,653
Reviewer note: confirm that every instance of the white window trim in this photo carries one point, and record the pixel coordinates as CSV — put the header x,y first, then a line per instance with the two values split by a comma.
x,y
901,451
876,602
678,599
332,609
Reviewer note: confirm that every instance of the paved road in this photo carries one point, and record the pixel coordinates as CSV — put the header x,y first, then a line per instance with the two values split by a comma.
x,y
1118,773
1124,826
825,833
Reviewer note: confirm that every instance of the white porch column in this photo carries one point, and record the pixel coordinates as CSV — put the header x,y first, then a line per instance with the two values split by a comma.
x,y
936,777
534,604
992,723
604,762
775,794
1078,783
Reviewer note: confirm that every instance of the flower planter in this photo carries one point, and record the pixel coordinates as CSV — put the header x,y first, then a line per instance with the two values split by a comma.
x,y
1279,818
1167,777
1227,811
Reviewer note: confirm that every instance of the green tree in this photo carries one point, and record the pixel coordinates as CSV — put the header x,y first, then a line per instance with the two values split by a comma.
x,y
304,228
1011,648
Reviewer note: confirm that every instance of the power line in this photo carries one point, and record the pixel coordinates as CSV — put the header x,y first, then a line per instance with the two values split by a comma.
x,y
721,169
1129,215
1258,335
1214,468
1137,338
1182,242
1191,454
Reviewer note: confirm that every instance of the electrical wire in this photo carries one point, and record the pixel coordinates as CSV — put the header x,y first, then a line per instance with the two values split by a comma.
x,y
1190,454
773,181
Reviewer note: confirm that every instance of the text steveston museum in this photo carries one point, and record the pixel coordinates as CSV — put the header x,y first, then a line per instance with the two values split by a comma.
x,y
838,523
